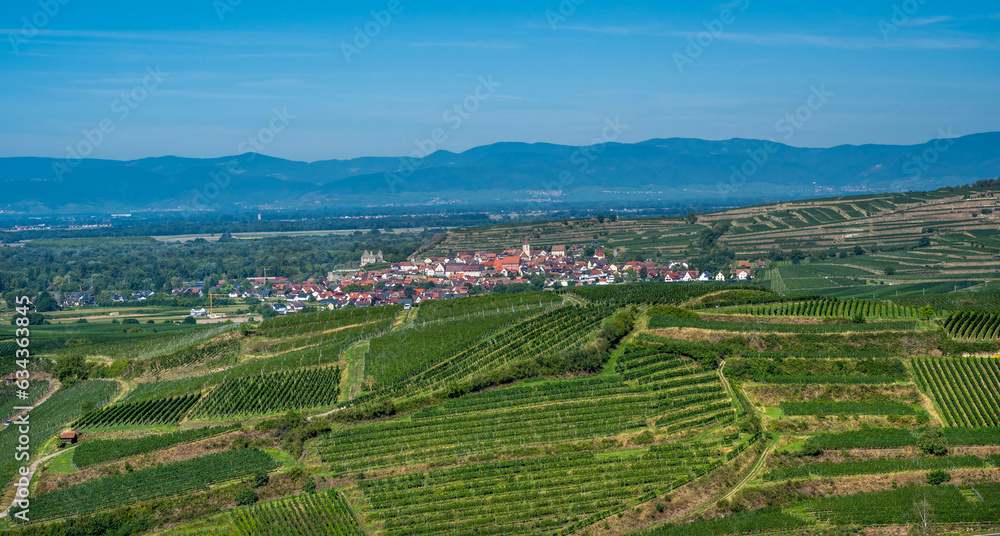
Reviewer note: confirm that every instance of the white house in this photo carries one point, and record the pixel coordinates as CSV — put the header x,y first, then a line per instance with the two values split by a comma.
x,y
720,277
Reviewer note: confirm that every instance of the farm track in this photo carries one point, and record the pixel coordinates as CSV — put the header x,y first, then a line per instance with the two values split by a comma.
x,y
54,385
31,474
758,468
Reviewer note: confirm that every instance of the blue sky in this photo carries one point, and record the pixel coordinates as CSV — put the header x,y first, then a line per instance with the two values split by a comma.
x,y
891,72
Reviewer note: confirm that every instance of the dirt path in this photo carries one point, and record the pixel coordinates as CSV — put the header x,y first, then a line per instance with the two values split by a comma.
x,y
762,461
728,387
54,386
758,468
31,474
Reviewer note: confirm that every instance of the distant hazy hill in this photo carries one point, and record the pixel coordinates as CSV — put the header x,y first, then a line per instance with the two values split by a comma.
x,y
668,170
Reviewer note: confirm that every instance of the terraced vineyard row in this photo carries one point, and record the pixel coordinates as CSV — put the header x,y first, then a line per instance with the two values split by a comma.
x,y
895,507
223,353
310,336
847,408
284,326
8,348
152,483
646,293
272,393
150,412
833,308
93,452
829,469
544,334
305,515
974,326
658,321
435,310
403,352
555,494
542,457
49,418
885,438
967,390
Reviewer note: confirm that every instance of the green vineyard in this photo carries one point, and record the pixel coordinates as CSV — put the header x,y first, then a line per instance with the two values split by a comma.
x,y
974,326
846,408
828,470
220,353
967,390
886,438
281,326
150,412
160,481
320,337
108,450
646,294
305,515
50,418
272,393
404,352
540,335
833,308
521,445
437,310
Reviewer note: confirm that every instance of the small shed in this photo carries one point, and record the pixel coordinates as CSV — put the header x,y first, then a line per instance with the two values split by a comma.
x,y
68,437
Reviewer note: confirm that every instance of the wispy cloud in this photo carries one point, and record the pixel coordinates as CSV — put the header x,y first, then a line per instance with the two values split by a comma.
x,y
495,45
103,35
194,37
612,30
855,43
929,20
277,82
277,55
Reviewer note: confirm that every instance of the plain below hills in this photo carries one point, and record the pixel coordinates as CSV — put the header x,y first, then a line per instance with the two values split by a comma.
x,y
686,171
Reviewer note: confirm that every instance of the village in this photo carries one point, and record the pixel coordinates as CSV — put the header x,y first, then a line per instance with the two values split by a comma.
x,y
461,275
433,278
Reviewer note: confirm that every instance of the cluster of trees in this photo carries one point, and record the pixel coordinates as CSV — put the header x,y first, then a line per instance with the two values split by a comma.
x,y
70,369
712,256
102,267
44,302
798,255
289,221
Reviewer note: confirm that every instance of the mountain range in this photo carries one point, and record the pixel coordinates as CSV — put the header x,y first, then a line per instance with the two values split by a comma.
x,y
675,170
